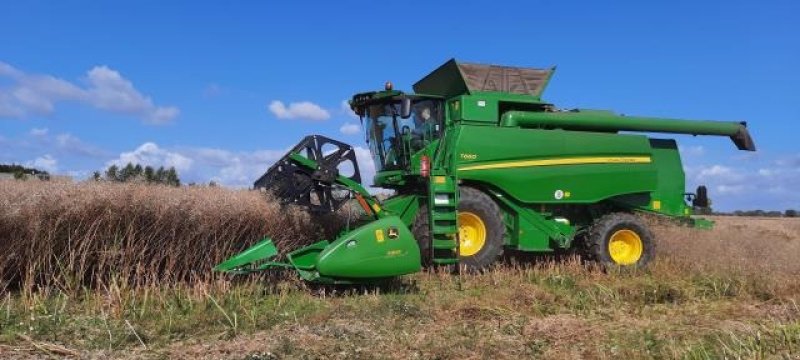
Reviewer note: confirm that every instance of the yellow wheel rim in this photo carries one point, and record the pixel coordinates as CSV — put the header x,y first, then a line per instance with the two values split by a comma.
x,y
471,233
625,247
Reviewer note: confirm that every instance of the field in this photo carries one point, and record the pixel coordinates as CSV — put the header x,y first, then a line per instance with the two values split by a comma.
x,y
123,271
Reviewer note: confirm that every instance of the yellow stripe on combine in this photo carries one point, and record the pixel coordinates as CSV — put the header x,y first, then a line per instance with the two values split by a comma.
x,y
563,161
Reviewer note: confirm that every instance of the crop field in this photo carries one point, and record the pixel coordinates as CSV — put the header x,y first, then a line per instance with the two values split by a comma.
x,y
98,270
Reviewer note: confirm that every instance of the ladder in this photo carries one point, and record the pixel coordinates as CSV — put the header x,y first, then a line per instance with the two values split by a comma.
x,y
443,202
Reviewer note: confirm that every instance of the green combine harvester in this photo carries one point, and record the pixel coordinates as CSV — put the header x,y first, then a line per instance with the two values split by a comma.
x,y
479,164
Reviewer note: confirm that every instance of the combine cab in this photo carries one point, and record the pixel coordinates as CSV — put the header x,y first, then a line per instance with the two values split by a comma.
x,y
480,164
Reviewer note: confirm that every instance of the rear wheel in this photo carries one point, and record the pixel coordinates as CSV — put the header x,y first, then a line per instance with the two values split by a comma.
x,y
621,240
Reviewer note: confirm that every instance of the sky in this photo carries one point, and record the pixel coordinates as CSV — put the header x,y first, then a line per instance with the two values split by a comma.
x,y
220,90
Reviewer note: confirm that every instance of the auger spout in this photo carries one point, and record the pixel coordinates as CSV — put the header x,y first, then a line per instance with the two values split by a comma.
x,y
607,121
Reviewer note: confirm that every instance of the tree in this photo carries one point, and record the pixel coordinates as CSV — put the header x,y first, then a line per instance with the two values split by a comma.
x,y
112,173
160,175
149,174
790,213
138,172
127,173
172,177
96,176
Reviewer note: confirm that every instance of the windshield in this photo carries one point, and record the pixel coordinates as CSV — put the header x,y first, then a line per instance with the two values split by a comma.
x,y
393,139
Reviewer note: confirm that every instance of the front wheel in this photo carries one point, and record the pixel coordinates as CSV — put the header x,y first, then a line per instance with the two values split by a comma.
x,y
481,230
621,240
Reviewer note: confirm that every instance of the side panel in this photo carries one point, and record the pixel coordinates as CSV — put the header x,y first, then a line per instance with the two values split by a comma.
x,y
669,196
382,248
556,166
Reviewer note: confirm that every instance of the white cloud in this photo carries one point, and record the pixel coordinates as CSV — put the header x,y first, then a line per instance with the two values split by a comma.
x,y
64,143
46,163
38,132
694,150
201,165
350,129
239,169
756,184
716,171
298,110
70,143
150,154
724,189
225,167
105,89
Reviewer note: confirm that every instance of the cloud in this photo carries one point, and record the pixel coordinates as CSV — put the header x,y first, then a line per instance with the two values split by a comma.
x,y
759,184
201,164
70,143
39,132
212,90
694,150
64,143
238,169
225,167
46,163
350,129
105,89
298,110
151,154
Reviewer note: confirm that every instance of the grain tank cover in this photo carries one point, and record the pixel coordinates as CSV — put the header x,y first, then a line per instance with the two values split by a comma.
x,y
457,78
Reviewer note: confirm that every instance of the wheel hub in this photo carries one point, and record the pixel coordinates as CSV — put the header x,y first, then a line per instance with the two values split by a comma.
x,y
471,233
625,247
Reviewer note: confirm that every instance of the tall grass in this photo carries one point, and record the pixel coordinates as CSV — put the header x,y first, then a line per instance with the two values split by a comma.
x,y
73,235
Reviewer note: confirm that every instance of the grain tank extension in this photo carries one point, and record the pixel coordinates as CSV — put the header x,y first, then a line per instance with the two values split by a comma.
x,y
479,165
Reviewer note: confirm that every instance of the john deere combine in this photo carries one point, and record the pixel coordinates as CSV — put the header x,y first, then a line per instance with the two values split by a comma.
x,y
479,164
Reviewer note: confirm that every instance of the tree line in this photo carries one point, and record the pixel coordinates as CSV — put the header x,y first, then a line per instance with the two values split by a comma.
x,y
139,173
21,172
789,213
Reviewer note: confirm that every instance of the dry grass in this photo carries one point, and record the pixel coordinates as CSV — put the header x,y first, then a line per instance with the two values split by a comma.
x,y
111,264
73,235
745,245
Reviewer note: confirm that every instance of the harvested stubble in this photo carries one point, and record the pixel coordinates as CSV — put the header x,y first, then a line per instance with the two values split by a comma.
x,y
71,235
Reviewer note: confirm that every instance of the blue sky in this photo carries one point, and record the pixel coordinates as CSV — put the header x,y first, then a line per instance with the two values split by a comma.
x,y
220,90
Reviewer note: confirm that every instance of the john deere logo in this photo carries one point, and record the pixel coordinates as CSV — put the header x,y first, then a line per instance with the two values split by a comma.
x,y
393,233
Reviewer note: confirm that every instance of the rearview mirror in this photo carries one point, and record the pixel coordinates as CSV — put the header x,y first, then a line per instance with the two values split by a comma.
x,y
405,108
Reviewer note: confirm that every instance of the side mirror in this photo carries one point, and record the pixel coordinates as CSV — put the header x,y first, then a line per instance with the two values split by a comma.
x,y
405,108
701,197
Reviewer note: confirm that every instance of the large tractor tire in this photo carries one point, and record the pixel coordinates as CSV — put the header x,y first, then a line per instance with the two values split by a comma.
x,y
422,233
620,240
481,230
